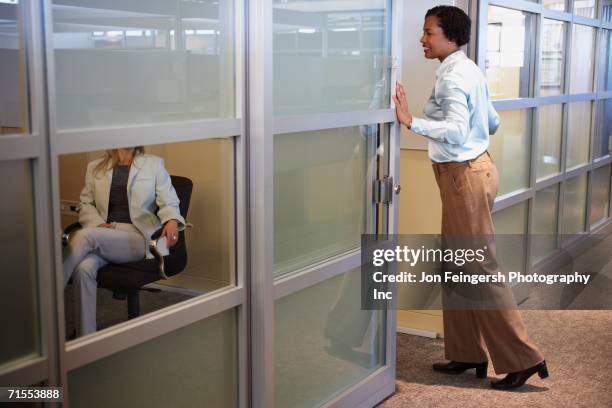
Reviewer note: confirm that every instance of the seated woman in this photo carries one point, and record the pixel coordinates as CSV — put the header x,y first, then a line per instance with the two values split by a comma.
x,y
127,196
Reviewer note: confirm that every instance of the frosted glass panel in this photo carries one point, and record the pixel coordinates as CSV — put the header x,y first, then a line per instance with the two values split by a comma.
x,y
574,205
510,34
129,62
579,134
18,292
607,10
13,80
544,229
555,4
324,343
320,181
585,8
511,251
510,148
553,58
583,56
600,194
196,365
549,140
330,56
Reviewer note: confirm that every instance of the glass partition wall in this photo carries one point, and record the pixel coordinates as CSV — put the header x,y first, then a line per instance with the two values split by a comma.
x,y
262,294
547,63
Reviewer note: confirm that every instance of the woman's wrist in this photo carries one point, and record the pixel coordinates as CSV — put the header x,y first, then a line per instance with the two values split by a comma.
x,y
409,123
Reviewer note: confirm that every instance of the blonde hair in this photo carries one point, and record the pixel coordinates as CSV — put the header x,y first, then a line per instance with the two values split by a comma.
x,y
111,158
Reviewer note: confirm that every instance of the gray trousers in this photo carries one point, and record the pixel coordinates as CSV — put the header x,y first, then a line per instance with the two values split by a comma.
x,y
90,249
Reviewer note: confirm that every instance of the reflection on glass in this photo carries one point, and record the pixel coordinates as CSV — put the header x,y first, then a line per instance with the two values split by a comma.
x,y
511,252
13,79
601,144
606,64
579,134
18,293
330,57
198,363
600,194
555,4
141,61
549,140
604,147
199,262
552,59
510,150
585,8
574,205
544,229
324,343
509,39
607,10
583,57
320,181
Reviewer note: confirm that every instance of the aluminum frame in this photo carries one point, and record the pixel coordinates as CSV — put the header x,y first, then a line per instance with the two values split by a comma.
x,y
31,146
77,141
322,121
261,158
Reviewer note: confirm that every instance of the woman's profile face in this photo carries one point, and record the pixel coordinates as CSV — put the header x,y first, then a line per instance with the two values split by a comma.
x,y
434,41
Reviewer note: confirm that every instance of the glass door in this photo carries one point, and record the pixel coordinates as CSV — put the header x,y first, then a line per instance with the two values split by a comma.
x,y
322,133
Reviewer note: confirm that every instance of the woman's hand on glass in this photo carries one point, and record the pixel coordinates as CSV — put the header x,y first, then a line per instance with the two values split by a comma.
x,y
401,105
171,233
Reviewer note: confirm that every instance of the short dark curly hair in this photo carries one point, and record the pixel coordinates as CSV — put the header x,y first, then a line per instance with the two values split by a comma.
x,y
454,22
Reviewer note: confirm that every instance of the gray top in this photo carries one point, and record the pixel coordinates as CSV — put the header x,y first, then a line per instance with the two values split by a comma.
x,y
118,206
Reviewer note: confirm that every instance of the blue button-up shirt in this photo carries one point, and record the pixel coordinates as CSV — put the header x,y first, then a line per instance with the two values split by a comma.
x,y
459,116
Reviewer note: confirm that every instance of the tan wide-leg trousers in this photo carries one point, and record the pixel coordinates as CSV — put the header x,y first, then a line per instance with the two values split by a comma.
x,y
468,190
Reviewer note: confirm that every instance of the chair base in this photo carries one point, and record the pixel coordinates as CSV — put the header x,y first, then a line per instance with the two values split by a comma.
x,y
133,301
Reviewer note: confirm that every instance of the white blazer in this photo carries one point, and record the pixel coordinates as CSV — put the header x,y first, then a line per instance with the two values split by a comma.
x,y
151,197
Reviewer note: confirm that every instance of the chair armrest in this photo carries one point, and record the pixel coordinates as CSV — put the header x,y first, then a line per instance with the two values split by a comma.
x,y
155,236
68,231
158,233
159,258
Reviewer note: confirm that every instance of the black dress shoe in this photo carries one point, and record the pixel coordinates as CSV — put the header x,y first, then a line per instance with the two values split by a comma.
x,y
517,379
455,367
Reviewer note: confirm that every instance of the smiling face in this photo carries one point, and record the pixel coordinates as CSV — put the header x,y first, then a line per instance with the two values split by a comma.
x,y
434,41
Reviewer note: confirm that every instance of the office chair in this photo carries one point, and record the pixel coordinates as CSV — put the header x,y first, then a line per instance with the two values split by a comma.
x,y
126,280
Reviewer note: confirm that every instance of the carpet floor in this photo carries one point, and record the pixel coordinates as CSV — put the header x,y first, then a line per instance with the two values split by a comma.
x,y
112,311
577,346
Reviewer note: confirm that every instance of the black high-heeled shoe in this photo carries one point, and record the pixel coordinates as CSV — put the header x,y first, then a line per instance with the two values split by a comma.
x,y
455,367
517,379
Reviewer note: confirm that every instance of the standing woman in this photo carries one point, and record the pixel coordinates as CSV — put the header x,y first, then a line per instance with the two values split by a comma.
x,y
128,195
459,118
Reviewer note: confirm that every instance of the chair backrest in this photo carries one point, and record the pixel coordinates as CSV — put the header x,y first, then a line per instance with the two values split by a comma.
x,y
177,260
139,273
183,187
